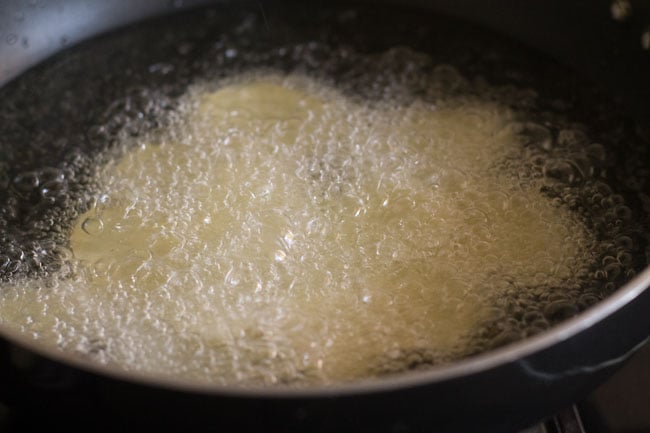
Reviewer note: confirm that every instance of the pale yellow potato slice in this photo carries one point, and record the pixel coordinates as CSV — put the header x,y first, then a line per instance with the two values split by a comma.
x,y
281,232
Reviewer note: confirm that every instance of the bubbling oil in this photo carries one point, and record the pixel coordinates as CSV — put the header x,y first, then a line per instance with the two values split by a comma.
x,y
353,215
279,231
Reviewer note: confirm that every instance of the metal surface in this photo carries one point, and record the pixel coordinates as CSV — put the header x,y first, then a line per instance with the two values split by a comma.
x,y
31,31
510,387
569,421
621,404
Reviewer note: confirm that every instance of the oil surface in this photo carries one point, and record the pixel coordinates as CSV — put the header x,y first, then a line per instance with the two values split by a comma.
x,y
310,211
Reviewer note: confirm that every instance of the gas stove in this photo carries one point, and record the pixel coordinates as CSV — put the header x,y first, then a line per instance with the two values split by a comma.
x,y
620,405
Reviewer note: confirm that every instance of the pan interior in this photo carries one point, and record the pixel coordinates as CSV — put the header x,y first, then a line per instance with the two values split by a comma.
x,y
565,224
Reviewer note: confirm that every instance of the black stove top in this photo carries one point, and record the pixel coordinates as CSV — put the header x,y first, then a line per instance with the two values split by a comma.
x,y
621,405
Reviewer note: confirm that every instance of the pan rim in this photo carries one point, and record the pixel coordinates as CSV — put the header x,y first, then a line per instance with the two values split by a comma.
x,y
519,350
436,374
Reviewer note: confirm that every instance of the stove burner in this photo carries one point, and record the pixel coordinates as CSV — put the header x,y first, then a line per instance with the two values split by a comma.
x,y
567,421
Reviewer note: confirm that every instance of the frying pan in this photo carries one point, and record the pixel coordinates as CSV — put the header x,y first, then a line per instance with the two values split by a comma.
x,y
502,390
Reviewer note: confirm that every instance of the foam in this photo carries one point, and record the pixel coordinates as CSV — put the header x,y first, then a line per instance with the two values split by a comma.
x,y
281,232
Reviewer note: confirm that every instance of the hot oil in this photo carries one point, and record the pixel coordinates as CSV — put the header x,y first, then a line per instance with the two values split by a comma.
x,y
351,215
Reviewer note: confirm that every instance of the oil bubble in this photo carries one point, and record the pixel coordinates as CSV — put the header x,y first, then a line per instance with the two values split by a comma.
x,y
572,137
561,171
559,310
93,226
533,134
161,68
26,181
